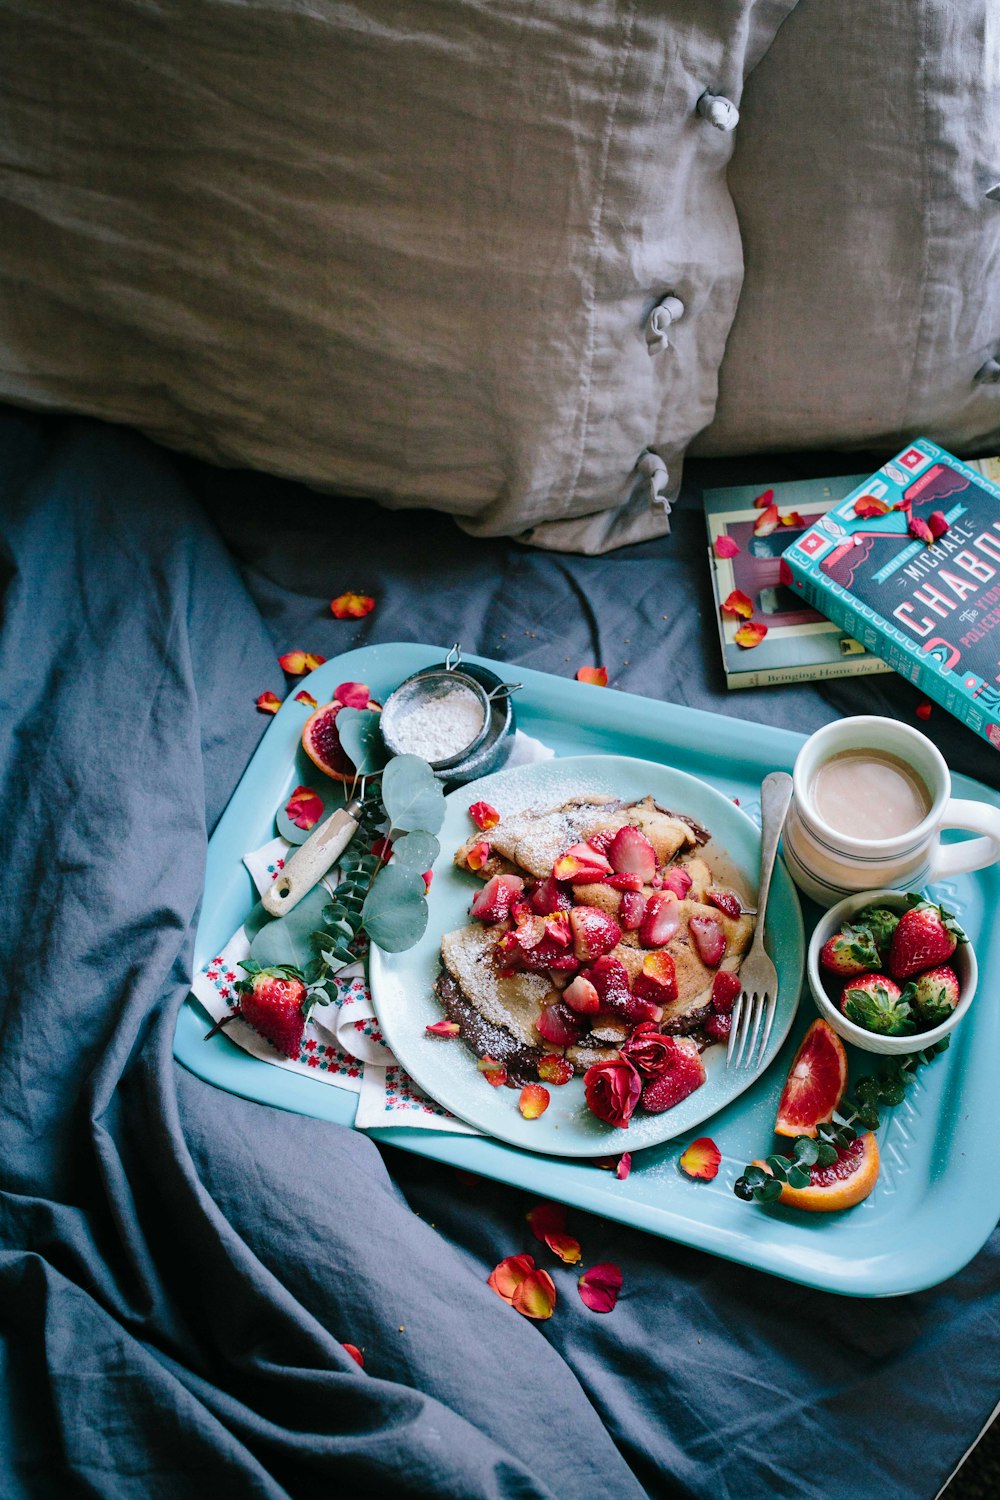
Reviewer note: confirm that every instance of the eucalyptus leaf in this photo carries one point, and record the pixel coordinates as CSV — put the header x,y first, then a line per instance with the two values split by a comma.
x,y
798,1177
395,912
288,940
826,1154
806,1151
779,1166
769,1193
417,851
360,739
755,1177
412,796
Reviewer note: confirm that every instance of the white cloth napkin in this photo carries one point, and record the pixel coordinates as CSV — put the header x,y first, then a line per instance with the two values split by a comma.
x,y
342,1043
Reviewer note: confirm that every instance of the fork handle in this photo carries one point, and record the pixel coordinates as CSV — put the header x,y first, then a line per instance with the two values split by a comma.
x,y
775,795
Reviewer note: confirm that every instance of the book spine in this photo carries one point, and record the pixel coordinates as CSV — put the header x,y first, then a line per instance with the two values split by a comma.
x,y
860,666
878,636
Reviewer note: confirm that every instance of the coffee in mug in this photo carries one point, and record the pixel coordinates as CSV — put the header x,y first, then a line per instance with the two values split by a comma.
x,y
872,797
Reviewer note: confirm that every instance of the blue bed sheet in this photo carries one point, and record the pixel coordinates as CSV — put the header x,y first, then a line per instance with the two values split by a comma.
x,y
180,1268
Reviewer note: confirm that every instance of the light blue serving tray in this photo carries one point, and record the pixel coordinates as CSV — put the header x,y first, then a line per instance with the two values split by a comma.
x,y
938,1196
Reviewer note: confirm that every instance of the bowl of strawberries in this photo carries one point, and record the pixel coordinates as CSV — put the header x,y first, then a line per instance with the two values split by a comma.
x,y
891,971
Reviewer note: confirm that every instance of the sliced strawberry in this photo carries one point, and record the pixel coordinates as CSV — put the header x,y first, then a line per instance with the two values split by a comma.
x,y
559,1025
581,996
718,1027
661,919
709,940
493,902
530,932
685,1073
677,880
726,901
521,910
602,840
625,882
640,1010
549,955
549,896
631,853
725,988
631,911
657,980
594,932
609,977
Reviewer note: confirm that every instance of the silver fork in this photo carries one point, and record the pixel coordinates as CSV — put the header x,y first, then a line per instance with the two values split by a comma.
x,y
758,999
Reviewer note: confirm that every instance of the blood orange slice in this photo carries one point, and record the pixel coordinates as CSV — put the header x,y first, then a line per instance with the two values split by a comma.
x,y
847,1181
321,742
815,1084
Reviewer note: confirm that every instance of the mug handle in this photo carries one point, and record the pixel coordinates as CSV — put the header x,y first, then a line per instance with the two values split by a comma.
x,y
972,854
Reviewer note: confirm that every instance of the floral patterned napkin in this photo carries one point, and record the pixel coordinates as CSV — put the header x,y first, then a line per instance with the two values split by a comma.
x,y
342,1043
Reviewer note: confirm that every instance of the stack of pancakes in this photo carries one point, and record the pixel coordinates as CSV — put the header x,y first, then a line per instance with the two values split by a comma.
x,y
497,1010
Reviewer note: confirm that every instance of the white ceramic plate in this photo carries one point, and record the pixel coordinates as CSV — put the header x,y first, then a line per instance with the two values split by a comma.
x,y
403,983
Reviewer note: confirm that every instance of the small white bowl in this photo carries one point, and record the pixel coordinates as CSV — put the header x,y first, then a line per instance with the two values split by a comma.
x,y
963,961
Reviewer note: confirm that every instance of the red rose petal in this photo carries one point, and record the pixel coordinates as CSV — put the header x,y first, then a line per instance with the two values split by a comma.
x,y
353,694
427,877
533,1101
351,606
724,546
792,519
355,1353
766,522
546,1219
566,1247
599,1287
701,1159
535,1296
598,676
751,634
307,698
867,506
382,849
764,500
483,815
304,807
509,1274
923,710
737,603
478,855
624,1166
267,703
938,524
920,529
443,1028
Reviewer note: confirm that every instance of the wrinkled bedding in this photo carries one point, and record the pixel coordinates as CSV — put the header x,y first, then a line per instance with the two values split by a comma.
x,y
179,1268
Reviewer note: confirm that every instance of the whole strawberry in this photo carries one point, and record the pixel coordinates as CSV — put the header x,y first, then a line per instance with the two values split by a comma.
x,y
927,935
271,1001
882,924
850,951
876,1003
933,994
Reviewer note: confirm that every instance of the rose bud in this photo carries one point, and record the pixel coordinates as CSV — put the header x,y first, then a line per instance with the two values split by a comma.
x,y
649,1051
612,1090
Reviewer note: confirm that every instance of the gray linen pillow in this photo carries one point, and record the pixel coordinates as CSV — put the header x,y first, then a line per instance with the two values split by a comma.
x,y
399,250
870,311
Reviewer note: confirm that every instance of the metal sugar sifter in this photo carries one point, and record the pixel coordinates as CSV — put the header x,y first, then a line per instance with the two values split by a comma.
x,y
456,715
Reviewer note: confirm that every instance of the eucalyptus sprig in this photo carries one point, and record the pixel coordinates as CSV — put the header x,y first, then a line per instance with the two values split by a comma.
x,y
385,902
857,1115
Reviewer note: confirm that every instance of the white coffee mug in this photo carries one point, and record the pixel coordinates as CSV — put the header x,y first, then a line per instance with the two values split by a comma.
x,y
829,864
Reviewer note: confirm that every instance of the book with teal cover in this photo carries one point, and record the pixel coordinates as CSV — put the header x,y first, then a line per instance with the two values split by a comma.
x,y
801,644
931,610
